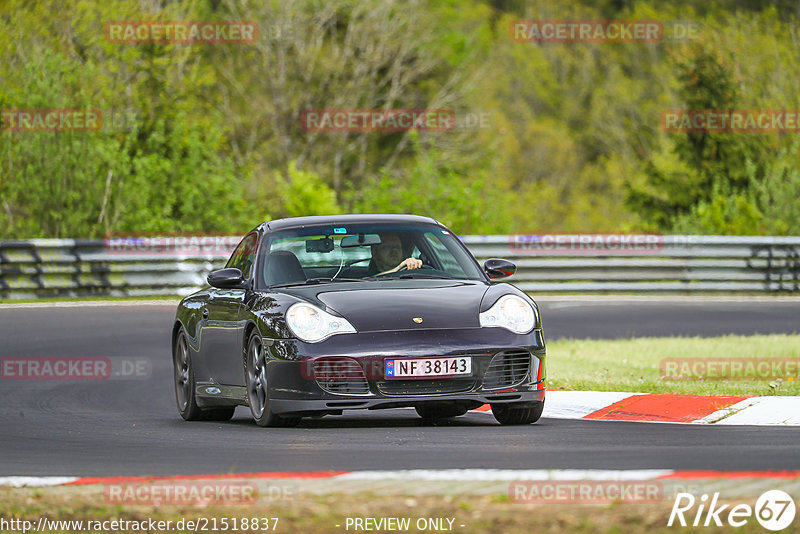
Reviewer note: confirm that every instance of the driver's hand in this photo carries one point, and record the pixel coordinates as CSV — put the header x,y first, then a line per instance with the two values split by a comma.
x,y
410,264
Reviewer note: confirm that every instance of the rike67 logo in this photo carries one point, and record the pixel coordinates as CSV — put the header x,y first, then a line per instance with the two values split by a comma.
x,y
774,510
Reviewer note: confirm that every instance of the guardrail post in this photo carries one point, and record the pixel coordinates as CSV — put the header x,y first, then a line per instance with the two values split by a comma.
x,y
781,260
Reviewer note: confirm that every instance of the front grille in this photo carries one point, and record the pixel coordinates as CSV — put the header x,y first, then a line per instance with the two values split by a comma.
x,y
426,387
343,376
507,369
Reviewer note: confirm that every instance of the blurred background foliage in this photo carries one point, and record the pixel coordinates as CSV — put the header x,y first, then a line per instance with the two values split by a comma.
x,y
208,138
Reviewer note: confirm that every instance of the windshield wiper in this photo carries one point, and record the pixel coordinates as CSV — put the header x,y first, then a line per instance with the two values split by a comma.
x,y
417,276
311,281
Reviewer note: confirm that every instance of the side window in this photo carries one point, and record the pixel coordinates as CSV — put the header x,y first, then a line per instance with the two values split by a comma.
x,y
449,263
242,258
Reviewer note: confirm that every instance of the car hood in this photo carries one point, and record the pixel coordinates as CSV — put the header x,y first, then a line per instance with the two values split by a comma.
x,y
394,305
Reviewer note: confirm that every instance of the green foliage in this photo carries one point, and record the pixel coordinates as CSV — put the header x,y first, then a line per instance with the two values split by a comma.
x,y
778,195
304,193
433,187
157,177
700,159
52,183
177,180
724,182
768,205
572,141
163,169
726,212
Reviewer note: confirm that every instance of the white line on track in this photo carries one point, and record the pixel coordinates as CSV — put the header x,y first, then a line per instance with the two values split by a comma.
x,y
38,482
489,475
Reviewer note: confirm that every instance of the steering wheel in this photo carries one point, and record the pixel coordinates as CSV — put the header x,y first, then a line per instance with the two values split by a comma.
x,y
404,268
423,266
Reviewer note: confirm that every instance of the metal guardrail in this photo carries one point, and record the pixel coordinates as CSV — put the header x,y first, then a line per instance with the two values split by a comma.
x,y
669,264
545,263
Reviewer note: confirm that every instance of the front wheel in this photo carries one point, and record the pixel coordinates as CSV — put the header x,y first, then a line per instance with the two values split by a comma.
x,y
185,384
257,387
518,413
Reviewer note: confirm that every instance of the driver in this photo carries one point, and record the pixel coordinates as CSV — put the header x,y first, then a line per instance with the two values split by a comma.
x,y
388,253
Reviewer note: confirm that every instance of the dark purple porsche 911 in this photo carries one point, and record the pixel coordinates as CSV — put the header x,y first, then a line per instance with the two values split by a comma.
x,y
315,315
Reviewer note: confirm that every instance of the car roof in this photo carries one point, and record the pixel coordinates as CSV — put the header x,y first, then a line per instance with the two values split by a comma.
x,y
368,218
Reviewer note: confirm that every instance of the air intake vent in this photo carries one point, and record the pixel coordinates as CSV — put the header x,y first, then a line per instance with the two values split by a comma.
x,y
343,376
426,387
507,369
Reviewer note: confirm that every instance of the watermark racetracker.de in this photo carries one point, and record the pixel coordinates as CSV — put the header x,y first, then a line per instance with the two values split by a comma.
x,y
596,244
75,368
181,32
586,491
170,245
51,120
736,368
377,120
60,120
730,121
603,31
342,120
193,492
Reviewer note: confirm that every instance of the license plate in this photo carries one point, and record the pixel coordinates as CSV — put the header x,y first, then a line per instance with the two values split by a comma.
x,y
428,367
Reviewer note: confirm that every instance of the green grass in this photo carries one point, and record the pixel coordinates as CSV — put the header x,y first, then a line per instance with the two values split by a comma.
x,y
634,364
319,514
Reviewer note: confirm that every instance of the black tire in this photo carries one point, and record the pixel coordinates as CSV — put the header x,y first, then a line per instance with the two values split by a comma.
x,y
440,411
217,414
185,386
257,388
518,413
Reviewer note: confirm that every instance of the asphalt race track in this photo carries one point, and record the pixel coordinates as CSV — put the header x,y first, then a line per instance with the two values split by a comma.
x,y
132,427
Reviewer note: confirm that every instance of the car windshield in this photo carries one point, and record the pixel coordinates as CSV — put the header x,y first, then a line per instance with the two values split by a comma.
x,y
362,252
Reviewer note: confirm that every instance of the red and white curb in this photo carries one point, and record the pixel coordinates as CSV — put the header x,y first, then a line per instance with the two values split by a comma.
x,y
429,475
458,475
418,482
668,408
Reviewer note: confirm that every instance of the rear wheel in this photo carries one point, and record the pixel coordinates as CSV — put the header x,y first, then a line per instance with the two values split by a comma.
x,y
257,387
440,411
517,413
185,385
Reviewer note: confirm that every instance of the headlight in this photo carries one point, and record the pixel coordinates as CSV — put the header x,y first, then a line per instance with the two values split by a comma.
x,y
512,313
312,324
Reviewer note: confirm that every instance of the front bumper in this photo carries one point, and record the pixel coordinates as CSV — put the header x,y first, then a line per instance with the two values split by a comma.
x,y
294,387
470,400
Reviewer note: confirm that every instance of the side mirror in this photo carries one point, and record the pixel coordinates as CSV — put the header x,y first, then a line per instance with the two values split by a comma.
x,y
497,268
226,278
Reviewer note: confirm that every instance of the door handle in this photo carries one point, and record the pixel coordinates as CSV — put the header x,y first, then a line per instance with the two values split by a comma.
x,y
205,313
